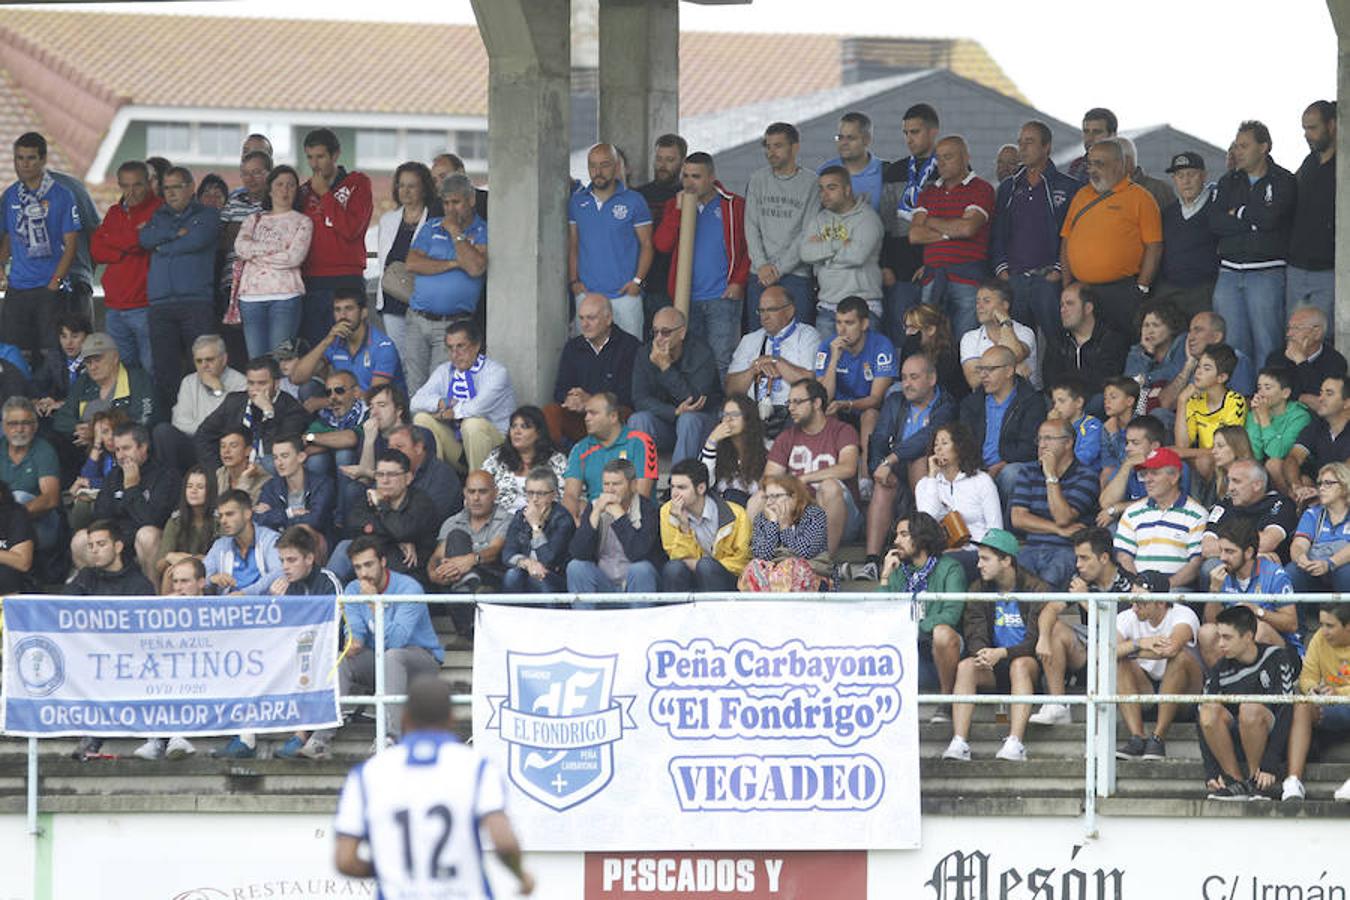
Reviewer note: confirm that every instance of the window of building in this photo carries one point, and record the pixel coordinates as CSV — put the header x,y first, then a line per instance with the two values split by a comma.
x,y
377,148
168,139
217,141
424,146
472,145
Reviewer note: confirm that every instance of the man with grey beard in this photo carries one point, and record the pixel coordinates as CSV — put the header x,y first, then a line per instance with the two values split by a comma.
x,y
1112,236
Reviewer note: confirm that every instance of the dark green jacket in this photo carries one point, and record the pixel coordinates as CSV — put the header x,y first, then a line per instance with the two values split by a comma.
x,y
134,394
947,577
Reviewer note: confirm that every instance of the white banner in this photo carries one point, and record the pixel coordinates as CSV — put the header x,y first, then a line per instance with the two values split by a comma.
x,y
710,725
169,665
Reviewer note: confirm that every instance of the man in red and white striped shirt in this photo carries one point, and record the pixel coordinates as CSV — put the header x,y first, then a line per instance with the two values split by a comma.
x,y
951,221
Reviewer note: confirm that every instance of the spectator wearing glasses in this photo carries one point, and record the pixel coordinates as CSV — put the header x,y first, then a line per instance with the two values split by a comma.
x,y
1051,502
1320,553
538,539
1308,353
1003,415
415,200
770,358
28,464
734,452
395,513
676,387
788,541
200,393
181,239
467,402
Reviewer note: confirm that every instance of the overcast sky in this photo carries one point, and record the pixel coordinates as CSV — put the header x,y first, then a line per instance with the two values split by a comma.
x,y
1202,66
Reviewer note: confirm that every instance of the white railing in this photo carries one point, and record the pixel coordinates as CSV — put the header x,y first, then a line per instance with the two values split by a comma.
x,y
1101,699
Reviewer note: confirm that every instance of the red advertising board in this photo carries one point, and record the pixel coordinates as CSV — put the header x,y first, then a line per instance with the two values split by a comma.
x,y
804,875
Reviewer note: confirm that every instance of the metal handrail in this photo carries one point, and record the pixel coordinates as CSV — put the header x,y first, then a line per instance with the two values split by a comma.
x,y
1100,697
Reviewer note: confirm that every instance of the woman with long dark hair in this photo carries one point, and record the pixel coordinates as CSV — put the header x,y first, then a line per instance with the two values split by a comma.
x,y
192,527
527,446
273,245
1157,358
956,486
734,451
416,199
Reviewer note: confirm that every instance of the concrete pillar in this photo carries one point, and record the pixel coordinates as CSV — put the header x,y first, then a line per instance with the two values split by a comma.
x,y
529,62
1340,16
639,77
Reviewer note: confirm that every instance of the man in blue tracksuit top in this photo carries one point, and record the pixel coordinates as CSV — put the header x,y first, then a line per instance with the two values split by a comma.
x,y
854,142
411,647
181,237
1024,240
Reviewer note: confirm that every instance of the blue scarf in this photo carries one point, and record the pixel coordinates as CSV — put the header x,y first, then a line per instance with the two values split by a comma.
x,y
349,422
31,227
917,579
462,386
915,182
775,350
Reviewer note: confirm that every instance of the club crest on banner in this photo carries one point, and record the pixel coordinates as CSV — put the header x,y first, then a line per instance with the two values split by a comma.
x,y
561,720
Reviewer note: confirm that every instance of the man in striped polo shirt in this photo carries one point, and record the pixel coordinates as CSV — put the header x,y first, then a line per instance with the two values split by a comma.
x,y
1162,531
951,221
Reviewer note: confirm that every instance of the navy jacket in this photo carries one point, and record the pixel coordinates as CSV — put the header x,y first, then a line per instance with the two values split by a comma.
x,y
319,501
1017,438
609,370
181,268
694,374
638,544
886,435
1056,190
1262,214
558,531
1101,357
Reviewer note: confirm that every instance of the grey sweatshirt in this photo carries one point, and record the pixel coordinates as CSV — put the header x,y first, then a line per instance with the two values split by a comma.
x,y
776,209
846,257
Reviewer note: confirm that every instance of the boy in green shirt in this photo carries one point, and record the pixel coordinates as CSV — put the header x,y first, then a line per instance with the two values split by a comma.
x,y
1274,421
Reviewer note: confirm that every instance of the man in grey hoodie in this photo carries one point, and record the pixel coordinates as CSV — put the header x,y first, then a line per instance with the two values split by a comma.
x,y
842,242
779,200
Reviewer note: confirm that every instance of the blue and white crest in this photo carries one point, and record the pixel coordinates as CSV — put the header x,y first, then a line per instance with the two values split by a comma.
x,y
41,665
561,720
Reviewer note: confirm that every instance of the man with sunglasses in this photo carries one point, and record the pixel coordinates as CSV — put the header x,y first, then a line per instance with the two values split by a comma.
x,y
676,388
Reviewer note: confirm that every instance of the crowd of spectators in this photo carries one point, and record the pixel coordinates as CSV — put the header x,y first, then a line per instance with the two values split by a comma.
x,y
1070,380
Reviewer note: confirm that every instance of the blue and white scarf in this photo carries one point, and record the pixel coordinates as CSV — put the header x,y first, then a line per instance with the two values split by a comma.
x,y
462,385
916,181
775,341
31,227
349,422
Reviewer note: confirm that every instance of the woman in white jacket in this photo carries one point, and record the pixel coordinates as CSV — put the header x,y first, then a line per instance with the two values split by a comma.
x,y
956,483
417,198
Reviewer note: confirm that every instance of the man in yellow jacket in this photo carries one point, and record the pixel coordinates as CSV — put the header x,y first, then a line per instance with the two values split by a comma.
x,y
706,537
1326,670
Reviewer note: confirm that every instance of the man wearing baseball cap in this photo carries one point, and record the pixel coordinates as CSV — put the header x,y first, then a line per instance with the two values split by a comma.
x,y
1190,249
1001,642
105,382
1162,531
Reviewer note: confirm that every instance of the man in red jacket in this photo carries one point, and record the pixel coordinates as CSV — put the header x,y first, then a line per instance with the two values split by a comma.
x,y
340,203
721,260
115,244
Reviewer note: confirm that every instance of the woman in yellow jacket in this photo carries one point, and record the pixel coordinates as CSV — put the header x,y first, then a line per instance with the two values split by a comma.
x,y
707,538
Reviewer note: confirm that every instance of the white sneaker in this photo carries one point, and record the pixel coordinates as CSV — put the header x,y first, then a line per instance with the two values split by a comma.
x,y
151,749
957,749
1052,714
314,749
1293,789
179,748
1012,750
1342,792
